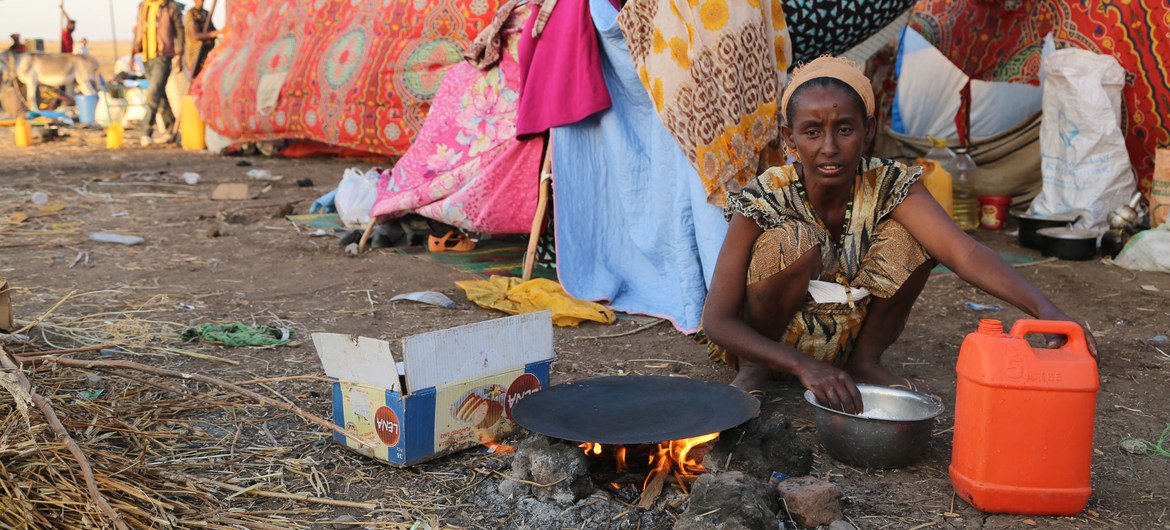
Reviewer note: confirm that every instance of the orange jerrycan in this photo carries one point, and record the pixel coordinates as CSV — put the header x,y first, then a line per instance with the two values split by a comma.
x,y
1023,438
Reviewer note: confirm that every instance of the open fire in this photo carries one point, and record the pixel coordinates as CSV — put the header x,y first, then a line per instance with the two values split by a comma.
x,y
653,465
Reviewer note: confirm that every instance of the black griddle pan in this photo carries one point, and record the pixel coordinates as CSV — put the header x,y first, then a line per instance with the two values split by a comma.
x,y
630,410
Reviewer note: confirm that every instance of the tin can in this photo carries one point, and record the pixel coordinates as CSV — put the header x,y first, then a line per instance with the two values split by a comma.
x,y
993,211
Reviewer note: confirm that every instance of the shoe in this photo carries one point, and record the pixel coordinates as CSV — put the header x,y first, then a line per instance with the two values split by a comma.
x,y
450,242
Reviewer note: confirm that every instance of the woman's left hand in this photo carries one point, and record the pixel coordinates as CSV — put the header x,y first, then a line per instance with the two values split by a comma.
x,y
1056,341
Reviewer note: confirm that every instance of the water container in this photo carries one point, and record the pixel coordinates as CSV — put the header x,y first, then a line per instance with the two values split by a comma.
x,y
86,107
190,125
114,135
23,132
937,181
1023,437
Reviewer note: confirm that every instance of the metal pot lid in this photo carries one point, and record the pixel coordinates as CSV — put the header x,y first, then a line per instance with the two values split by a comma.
x,y
1064,232
628,410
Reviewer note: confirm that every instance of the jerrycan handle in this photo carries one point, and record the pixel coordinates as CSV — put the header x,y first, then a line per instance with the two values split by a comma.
x,y
1071,330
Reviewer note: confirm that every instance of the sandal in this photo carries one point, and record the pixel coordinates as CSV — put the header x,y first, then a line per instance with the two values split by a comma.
x,y
450,241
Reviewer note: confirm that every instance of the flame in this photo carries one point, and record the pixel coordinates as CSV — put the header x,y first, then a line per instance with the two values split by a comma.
x,y
673,457
487,439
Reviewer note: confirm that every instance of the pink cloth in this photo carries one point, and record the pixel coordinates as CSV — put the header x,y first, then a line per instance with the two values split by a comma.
x,y
466,168
560,72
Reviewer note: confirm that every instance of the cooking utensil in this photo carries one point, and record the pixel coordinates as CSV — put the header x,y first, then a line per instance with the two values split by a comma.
x,y
1030,223
1068,243
628,410
891,432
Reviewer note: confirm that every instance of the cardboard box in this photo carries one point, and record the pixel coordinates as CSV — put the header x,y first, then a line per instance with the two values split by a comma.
x,y
6,323
453,389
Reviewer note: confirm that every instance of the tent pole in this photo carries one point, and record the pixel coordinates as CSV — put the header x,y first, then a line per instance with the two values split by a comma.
x,y
541,210
114,32
364,242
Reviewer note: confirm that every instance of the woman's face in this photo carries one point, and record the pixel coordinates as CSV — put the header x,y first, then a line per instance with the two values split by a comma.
x,y
829,133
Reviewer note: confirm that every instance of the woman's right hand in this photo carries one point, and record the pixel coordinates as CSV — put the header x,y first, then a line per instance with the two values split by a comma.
x,y
832,386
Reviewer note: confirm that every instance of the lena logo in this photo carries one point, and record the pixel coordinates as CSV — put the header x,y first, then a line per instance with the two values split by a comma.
x,y
386,425
522,386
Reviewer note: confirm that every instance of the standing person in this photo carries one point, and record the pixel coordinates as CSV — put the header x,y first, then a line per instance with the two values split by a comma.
x,y
82,47
17,46
158,36
67,31
199,42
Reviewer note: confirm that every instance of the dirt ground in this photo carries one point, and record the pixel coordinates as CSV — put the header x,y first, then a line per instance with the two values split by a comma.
x,y
206,261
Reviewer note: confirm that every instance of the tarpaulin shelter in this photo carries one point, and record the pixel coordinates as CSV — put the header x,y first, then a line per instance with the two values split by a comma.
x,y
358,75
1002,41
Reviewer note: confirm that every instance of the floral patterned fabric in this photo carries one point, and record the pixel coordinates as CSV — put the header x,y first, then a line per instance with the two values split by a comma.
x,y
351,74
714,70
466,167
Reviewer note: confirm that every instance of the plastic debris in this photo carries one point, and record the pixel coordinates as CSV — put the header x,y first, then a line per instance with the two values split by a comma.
x,y
262,174
981,307
775,480
428,297
191,178
40,198
236,335
106,237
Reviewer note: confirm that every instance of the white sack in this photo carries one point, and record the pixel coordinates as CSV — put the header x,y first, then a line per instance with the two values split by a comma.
x,y
1084,162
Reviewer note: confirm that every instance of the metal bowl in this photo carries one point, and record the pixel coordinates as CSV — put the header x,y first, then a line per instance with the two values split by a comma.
x,y
894,435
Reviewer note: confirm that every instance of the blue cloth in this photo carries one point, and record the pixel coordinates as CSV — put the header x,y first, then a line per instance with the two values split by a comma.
x,y
632,223
324,203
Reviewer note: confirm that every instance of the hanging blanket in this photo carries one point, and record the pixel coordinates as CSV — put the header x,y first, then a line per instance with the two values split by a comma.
x,y
1001,41
715,70
466,168
633,226
352,74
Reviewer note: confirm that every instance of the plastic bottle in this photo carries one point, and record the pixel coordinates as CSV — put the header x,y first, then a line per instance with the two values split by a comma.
x,y
23,132
939,152
966,200
1023,436
937,182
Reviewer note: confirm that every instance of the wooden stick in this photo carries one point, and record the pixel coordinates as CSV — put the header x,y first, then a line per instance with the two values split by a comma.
x,y
638,329
364,242
65,352
63,435
276,494
265,400
545,180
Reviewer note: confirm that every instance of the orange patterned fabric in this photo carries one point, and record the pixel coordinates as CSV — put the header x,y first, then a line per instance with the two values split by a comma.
x,y
1001,41
358,75
714,70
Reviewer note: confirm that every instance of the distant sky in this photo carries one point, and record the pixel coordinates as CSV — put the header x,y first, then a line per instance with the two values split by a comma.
x,y
40,19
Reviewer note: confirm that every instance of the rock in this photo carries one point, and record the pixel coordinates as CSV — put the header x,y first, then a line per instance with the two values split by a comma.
x,y
1135,447
761,446
562,467
841,525
811,501
343,522
728,501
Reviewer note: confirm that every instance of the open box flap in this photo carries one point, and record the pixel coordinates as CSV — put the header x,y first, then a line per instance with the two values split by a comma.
x,y
358,359
466,352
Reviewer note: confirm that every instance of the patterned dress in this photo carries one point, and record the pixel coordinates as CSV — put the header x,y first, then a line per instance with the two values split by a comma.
x,y
877,253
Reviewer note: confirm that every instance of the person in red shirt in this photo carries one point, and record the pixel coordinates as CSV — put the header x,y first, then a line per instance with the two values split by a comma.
x,y
17,46
67,31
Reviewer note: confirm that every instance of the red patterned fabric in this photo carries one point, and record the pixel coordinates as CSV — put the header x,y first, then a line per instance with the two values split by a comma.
x,y
1000,40
360,74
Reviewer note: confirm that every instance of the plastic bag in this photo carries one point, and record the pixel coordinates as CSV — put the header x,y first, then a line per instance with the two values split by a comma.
x,y
355,196
1084,162
1148,250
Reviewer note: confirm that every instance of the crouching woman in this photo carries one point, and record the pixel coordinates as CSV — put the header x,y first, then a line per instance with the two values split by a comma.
x,y
825,257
